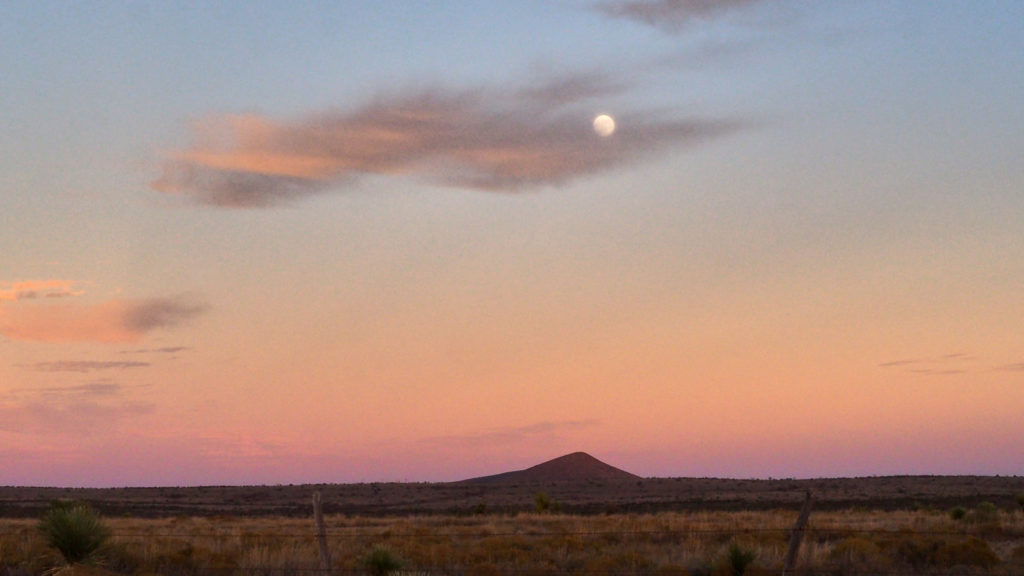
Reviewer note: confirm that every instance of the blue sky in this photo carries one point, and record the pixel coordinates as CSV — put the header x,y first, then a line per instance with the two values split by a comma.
x,y
345,241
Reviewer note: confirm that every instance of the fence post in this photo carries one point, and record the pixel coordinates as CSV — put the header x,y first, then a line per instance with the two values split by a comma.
x,y
797,536
321,534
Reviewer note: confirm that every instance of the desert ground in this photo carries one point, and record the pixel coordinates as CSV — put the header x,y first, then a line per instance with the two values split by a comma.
x,y
598,496
572,515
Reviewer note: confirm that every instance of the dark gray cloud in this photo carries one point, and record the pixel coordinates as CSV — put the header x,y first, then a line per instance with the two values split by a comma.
x,y
483,139
114,321
671,15
83,366
563,90
146,315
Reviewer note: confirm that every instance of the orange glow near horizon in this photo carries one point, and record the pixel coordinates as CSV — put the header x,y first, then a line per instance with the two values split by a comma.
x,y
353,242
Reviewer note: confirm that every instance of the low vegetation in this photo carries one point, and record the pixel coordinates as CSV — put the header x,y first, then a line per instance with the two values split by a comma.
x,y
922,541
73,529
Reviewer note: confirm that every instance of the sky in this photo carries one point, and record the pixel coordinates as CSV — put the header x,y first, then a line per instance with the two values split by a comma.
x,y
316,242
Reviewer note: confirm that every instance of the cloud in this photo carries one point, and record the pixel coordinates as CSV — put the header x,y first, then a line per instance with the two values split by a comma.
x,y
33,289
492,140
670,15
943,365
1015,367
147,315
161,350
934,372
83,366
86,409
503,436
99,388
114,321
78,417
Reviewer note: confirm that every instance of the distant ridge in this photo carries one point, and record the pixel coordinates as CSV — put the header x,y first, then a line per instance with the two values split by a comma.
x,y
575,467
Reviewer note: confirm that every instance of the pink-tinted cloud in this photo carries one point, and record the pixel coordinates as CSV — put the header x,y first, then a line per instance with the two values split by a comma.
x,y
83,366
543,432
114,321
161,350
672,15
77,412
944,365
481,139
33,289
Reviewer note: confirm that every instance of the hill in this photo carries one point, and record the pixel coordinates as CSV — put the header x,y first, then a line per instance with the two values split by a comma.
x,y
575,467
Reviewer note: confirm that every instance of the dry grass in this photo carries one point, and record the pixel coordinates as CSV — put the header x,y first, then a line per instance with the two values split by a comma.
x,y
662,544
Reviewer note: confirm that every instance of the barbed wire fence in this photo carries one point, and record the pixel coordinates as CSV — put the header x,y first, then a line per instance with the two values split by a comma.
x,y
311,548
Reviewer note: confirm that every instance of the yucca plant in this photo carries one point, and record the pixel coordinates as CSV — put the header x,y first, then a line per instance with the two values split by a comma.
x,y
74,529
381,562
738,559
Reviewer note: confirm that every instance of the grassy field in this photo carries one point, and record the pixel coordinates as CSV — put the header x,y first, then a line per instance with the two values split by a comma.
x,y
642,527
981,540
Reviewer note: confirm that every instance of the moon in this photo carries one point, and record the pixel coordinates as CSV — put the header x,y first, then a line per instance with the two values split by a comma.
x,y
604,125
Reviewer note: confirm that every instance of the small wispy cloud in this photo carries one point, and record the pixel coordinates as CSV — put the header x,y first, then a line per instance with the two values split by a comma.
x,y
949,365
99,388
82,417
161,350
938,372
114,321
82,410
944,365
34,289
145,315
513,435
483,139
84,366
670,15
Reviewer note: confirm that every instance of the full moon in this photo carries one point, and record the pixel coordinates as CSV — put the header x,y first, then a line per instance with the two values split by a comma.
x,y
604,125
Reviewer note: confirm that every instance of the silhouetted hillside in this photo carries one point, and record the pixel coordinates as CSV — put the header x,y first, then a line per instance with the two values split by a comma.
x,y
575,467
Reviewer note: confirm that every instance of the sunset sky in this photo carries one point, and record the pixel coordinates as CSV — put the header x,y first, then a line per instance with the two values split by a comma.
x,y
289,242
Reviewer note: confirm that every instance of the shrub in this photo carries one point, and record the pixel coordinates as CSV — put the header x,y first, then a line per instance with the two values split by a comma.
x,y
541,502
857,554
970,552
985,512
738,559
1020,501
74,529
958,513
381,562
917,550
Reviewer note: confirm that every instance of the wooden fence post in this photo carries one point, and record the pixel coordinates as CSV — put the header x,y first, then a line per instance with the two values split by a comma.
x,y
797,536
321,534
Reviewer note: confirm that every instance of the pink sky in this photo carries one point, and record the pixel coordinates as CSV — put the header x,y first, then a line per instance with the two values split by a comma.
x,y
375,244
